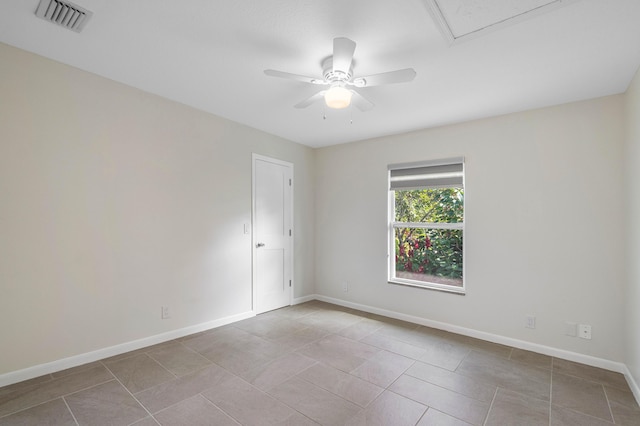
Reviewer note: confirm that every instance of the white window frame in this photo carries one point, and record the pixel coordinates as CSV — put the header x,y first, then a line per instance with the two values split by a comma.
x,y
393,225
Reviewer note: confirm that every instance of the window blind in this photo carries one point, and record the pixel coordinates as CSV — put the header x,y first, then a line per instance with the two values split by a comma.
x,y
445,173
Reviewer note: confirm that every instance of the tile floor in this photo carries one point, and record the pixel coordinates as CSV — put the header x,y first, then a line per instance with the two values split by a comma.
x,y
317,363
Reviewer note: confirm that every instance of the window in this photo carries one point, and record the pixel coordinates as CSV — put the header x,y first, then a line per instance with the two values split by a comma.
x,y
426,225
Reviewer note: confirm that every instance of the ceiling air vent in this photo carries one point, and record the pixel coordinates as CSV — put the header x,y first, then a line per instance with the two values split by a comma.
x,y
64,13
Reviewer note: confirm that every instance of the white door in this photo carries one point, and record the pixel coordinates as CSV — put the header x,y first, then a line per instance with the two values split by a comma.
x,y
272,233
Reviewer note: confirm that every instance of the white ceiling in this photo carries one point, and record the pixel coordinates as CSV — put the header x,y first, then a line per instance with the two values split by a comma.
x,y
210,54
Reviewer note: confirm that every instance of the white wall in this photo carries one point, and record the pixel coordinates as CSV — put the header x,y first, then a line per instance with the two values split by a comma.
x,y
114,202
544,224
632,109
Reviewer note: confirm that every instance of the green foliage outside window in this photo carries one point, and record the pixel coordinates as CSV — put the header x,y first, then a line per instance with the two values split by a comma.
x,y
429,251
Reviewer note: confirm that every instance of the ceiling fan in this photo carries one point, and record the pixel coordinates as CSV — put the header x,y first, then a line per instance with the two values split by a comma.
x,y
337,73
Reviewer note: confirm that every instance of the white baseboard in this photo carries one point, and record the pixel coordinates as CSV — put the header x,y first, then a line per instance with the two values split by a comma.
x,y
520,344
632,383
76,360
303,299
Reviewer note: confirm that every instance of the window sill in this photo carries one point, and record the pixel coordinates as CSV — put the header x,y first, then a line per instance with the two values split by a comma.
x,y
428,286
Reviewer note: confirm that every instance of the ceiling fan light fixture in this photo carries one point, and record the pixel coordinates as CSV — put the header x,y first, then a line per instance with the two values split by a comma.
x,y
337,73
337,97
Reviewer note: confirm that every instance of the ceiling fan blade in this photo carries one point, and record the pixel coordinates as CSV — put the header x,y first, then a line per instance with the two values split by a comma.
x,y
360,102
343,49
289,76
391,77
310,100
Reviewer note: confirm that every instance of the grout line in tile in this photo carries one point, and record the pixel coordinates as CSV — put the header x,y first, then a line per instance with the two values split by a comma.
x,y
59,396
438,386
450,415
455,370
595,382
423,414
264,392
157,362
195,352
608,403
70,411
428,406
90,387
302,414
183,400
551,391
134,397
45,402
163,367
178,402
486,417
342,397
398,378
582,413
152,418
220,408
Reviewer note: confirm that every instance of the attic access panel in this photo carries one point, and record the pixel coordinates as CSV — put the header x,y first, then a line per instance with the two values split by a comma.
x,y
459,20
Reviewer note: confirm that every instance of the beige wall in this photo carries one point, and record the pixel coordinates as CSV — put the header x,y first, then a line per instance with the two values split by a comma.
x,y
115,202
633,228
544,224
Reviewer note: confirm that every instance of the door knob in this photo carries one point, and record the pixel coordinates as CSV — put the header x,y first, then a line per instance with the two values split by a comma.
x,y
259,245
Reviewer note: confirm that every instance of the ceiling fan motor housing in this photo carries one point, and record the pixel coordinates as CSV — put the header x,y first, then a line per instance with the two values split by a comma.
x,y
337,76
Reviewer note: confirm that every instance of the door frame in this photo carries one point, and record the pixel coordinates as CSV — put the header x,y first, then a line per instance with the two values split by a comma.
x,y
254,293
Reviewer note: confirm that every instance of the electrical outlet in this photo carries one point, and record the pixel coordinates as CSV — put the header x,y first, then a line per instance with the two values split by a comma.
x,y
531,322
345,287
584,331
571,329
165,312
